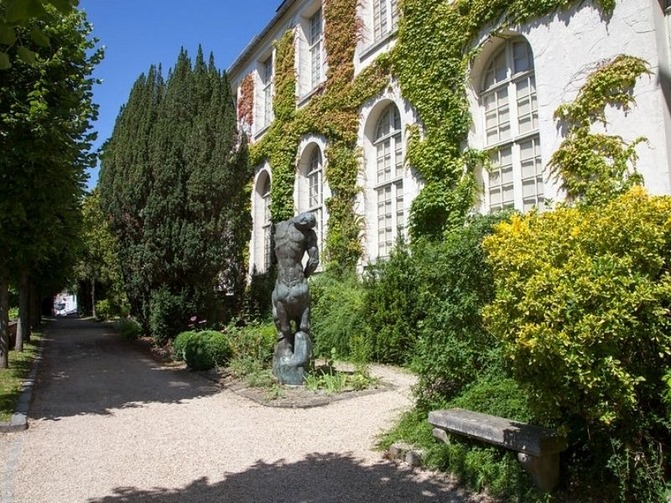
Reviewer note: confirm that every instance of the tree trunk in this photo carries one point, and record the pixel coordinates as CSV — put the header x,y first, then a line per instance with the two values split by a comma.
x,y
23,327
35,307
93,297
4,323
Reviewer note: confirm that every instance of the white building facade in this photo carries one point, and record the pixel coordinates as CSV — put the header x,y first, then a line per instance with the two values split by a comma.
x,y
516,82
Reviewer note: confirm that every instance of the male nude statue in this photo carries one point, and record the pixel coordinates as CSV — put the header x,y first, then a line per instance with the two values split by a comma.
x,y
291,296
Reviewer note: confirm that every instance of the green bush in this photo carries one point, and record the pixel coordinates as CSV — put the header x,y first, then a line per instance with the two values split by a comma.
x,y
179,345
170,311
337,313
128,328
454,285
103,310
582,310
252,348
391,306
207,349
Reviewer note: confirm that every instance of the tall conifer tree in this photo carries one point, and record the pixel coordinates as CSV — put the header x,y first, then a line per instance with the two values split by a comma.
x,y
174,180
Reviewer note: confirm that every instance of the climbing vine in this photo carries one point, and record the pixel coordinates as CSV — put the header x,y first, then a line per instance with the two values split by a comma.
x,y
595,167
434,47
431,58
333,113
246,101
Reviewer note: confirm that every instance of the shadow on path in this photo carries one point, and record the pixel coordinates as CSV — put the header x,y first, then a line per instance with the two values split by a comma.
x,y
318,478
87,368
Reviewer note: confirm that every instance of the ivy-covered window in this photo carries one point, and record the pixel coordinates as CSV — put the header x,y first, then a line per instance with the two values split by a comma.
x,y
316,191
510,107
385,17
389,179
267,90
261,251
267,224
315,48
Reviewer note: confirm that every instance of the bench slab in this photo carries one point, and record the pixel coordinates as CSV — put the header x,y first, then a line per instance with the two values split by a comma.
x,y
513,435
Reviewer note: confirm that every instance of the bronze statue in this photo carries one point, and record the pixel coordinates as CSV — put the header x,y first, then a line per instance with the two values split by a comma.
x,y
291,296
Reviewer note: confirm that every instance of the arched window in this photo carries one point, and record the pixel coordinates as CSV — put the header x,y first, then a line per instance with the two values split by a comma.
x,y
261,251
388,145
266,224
510,108
316,191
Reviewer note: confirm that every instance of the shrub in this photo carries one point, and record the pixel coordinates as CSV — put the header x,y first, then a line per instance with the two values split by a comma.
x,y
252,348
103,310
582,310
207,349
390,306
128,328
337,313
179,345
454,285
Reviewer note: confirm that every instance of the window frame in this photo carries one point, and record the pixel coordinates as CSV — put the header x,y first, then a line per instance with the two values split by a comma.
x,y
389,186
508,182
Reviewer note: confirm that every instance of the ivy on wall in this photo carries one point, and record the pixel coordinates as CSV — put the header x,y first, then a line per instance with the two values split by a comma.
x,y
246,101
596,167
333,112
434,47
431,59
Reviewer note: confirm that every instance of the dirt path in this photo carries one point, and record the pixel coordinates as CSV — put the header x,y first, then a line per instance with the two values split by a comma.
x,y
108,423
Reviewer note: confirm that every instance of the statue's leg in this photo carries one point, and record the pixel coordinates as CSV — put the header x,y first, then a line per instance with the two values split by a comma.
x,y
282,321
305,320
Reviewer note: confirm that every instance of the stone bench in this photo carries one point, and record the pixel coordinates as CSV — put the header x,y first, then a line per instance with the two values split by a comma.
x,y
538,448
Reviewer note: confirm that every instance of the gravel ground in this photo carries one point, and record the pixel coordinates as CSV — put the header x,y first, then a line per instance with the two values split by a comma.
x,y
108,423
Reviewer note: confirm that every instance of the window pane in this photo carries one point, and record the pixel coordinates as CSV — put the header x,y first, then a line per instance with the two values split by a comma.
x,y
523,59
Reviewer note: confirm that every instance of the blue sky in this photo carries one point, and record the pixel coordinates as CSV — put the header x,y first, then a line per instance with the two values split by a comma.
x,y
139,33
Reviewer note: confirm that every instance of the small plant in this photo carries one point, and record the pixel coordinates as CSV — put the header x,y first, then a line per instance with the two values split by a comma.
x,y
252,349
179,345
103,310
207,349
129,328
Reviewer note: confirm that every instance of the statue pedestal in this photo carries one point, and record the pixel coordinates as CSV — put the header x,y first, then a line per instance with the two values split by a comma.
x,y
290,361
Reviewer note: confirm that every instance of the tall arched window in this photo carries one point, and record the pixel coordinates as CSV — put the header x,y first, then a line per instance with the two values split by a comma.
x,y
510,107
266,224
316,191
388,145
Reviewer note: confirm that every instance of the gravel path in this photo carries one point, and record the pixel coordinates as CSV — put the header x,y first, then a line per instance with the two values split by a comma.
x,y
110,424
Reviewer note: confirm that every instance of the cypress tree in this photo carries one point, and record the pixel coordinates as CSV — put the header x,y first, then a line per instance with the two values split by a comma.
x,y
185,222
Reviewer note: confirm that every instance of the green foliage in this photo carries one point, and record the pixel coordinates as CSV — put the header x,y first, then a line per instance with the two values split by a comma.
x,y
169,311
103,310
252,349
582,299
454,285
436,41
13,313
18,14
205,349
98,264
179,345
581,308
46,112
595,167
128,328
337,313
391,307
257,304
174,182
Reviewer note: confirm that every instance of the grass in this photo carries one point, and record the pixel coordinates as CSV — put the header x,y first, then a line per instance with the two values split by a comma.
x,y
12,377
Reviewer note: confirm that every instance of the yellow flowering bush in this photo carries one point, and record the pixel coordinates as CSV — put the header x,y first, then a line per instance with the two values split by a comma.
x,y
582,306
